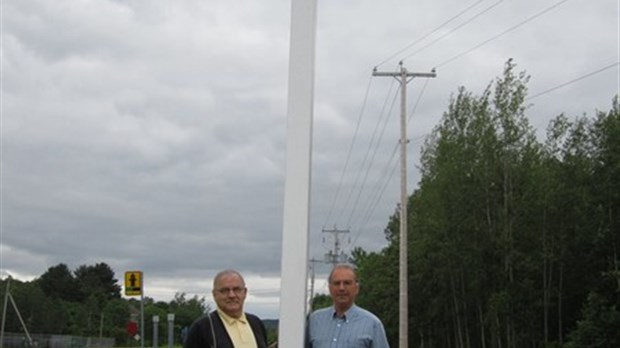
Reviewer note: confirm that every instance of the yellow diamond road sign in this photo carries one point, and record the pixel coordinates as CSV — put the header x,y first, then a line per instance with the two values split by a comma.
x,y
133,283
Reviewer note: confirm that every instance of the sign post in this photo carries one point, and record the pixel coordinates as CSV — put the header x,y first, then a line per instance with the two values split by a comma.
x,y
133,287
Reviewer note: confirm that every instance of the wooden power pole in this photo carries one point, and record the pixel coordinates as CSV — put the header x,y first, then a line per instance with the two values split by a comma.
x,y
403,76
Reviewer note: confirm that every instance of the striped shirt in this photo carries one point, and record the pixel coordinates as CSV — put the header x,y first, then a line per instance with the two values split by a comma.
x,y
358,328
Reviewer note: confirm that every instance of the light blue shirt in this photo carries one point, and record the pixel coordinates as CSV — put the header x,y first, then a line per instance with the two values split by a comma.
x,y
357,329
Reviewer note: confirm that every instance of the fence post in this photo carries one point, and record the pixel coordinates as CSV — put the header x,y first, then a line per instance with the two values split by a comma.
x,y
155,331
170,330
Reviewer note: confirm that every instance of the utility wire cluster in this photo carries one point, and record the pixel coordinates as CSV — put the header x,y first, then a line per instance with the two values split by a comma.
x,y
350,205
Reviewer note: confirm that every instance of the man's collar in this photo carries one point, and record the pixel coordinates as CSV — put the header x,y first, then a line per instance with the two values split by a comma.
x,y
231,320
346,313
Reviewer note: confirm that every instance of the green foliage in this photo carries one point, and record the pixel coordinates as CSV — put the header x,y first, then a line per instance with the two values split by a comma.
x,y
599,325
187,310
29,299
272,335
379,289
507,236
58,282
89,305
321,301
114,318
600,315
98,279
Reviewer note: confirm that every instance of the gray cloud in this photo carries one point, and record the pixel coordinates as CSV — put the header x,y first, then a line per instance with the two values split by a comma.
x,y
151,134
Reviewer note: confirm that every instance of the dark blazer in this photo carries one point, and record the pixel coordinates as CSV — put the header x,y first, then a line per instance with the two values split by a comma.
x,y
200,333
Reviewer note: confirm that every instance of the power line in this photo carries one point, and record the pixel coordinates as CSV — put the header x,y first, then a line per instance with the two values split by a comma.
x,y
367,172
346,163
373,203
362,165
370,164
380,188
367,164
441,64
573,81
417,102
430,33
502,33
458,27
454,29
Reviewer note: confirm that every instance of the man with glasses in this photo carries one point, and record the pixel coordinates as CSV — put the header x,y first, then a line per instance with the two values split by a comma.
x,y
344,325
228,326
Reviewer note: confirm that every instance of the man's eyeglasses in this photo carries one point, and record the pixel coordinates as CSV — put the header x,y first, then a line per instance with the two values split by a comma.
x,y
238,290
345,283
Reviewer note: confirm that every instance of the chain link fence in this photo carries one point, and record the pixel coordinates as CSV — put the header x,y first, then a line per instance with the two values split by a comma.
x,y
15,340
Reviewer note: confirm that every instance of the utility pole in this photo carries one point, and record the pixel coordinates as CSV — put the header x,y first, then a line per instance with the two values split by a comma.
x,y
336,255
6,301
403,76
313,261
7,297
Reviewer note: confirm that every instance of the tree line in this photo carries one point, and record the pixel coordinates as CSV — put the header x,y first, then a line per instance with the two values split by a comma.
x,y
87,302
512,242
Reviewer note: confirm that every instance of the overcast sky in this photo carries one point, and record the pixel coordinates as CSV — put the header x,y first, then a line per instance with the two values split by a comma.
x,y
150,134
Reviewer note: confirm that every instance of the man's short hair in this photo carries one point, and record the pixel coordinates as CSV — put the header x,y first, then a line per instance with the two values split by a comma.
x,y
226,272
343,265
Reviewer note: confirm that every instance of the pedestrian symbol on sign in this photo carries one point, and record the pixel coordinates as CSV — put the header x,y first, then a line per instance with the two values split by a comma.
x,y
133,283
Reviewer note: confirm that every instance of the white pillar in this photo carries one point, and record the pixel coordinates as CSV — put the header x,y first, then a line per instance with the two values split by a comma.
x,y
294,270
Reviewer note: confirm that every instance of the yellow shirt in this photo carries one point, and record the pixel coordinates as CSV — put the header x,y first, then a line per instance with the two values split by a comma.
x,y
239,330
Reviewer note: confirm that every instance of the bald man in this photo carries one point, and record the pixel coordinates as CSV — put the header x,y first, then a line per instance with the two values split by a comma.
x,y
228,326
